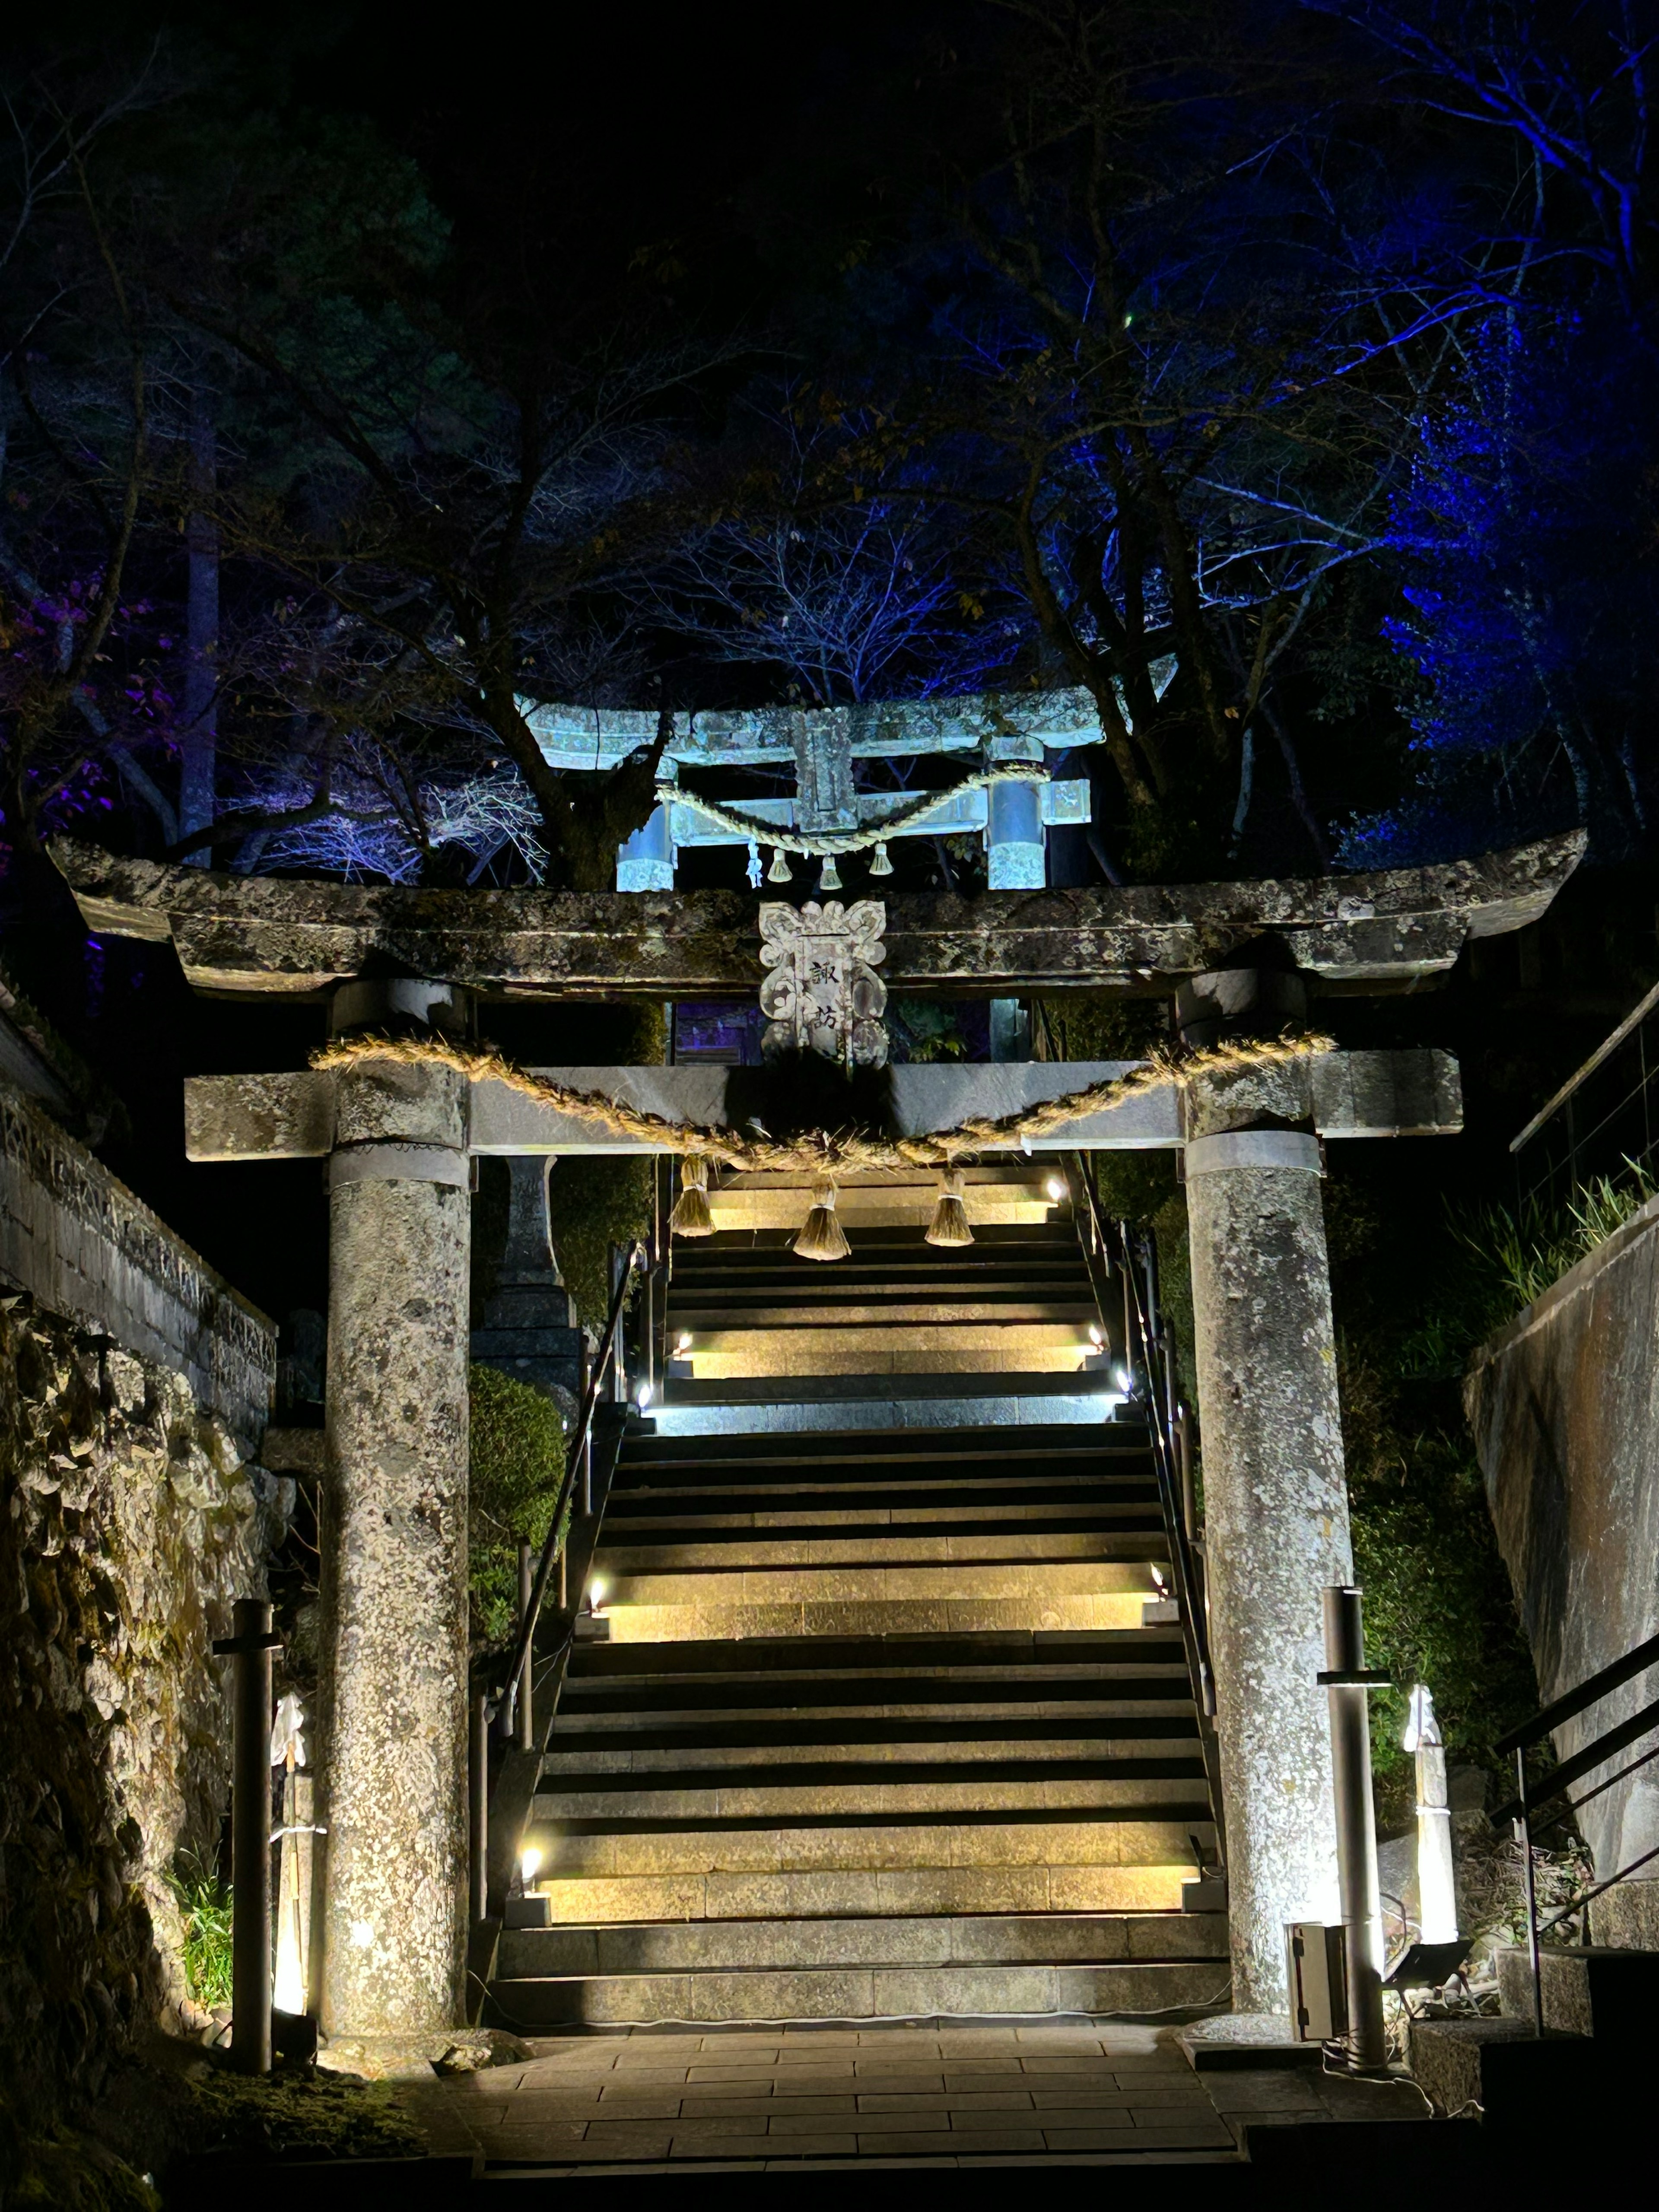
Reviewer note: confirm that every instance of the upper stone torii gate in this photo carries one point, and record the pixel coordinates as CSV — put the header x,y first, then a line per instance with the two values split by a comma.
x,y
1239,960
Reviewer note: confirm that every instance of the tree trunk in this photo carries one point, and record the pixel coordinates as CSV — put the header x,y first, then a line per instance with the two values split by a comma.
x,y
199,737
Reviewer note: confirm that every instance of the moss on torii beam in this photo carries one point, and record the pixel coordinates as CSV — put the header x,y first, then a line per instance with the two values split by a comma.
x,y
251,935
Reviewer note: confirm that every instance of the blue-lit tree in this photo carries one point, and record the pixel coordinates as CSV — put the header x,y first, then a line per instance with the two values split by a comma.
x,y
1525,539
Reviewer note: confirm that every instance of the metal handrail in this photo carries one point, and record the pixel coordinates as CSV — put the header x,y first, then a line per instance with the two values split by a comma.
x,y
1565,1708
575,1453
1559,1783
1143,1320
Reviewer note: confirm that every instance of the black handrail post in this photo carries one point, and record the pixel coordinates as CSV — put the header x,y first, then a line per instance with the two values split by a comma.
x,y
249,1647
526,1728
1525,1826
477,1801
552,1549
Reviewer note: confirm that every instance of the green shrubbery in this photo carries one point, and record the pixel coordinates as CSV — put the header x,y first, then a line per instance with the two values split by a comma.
x,y
205,1903
1501,1261
517,1444
593,1203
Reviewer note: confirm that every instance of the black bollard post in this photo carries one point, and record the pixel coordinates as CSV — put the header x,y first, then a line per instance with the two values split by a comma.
x,y
251,1648
478,1803
1348,1682
526,1736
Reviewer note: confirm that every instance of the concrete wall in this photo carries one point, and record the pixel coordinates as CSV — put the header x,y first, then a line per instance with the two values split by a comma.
x,y
85,1248
1565,1406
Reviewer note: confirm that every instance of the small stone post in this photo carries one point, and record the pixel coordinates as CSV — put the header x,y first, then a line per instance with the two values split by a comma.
x,y
1276,1505
395,1551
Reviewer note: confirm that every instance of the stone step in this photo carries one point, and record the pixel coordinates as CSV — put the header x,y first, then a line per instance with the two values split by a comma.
x,y
850,1617
969,1992
660,1946
849,1573
927,1448
979,1352
1040,1667
816,1339
1588,1990
752,1551
1137,1786
839,1510
590,1754
1626,1918
877,1843
826,1723
829,1297
883,1892
770,1404
928,1488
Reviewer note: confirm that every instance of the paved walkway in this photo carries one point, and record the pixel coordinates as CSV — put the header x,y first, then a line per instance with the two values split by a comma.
x,y
941,2095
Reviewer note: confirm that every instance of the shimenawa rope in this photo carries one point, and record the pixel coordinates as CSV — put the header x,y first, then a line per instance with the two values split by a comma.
x,y
824,1152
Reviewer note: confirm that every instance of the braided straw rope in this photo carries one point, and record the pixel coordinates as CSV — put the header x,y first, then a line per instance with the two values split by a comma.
x,y
830,844
823,1150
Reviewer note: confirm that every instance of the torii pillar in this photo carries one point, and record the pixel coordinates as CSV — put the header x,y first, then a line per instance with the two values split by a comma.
x,y
1275,1497
394,1532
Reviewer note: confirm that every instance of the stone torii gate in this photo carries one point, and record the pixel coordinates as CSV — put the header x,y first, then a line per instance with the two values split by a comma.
x,y
399,1138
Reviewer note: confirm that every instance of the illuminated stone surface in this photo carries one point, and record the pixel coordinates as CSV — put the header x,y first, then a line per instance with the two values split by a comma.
x,y
1276,1513
395,1561
258,934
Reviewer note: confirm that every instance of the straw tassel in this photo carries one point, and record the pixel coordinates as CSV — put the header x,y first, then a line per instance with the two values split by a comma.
x,y
830,878
950,1222
779,871
691,1217
881,866
822,1237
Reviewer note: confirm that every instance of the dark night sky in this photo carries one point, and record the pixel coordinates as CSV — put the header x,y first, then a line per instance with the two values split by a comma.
x,y
568,141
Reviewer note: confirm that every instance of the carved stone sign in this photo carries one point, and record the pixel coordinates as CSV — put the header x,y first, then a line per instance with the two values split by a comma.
x,y
822,992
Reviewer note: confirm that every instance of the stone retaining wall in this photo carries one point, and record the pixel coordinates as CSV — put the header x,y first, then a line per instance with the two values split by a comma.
x,y
129,1522
85,1248
1565,1406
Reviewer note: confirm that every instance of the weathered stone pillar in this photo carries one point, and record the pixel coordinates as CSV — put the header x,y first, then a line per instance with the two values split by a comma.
x,y
395,1553
1276,1507
645,862
1016,849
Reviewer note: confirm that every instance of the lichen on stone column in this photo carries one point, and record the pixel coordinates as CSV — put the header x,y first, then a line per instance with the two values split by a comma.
x,y
394,1535
1276,1513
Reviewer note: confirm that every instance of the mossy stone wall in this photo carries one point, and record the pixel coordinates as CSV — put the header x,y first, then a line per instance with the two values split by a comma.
x,y
129,1522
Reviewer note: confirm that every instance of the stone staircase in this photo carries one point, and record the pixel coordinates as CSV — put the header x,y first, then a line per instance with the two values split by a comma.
x,y
743,1310
878,1729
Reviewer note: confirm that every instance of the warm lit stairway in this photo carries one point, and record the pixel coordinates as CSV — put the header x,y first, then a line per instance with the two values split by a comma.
x,y
752,1317
877,1730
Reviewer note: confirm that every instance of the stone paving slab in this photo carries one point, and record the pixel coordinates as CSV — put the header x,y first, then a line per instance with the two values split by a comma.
x,y
1090,2093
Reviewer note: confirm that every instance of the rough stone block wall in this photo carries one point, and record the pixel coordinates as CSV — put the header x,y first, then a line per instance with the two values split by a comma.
x,y
128,1520
1565,1406
82,1245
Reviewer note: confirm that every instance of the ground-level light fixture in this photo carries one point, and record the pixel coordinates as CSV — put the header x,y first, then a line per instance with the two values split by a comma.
x,y
683,1343
529,1863
1125,1382
1055,1187
642,1395
596,1590
1096,1337
1436,1884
